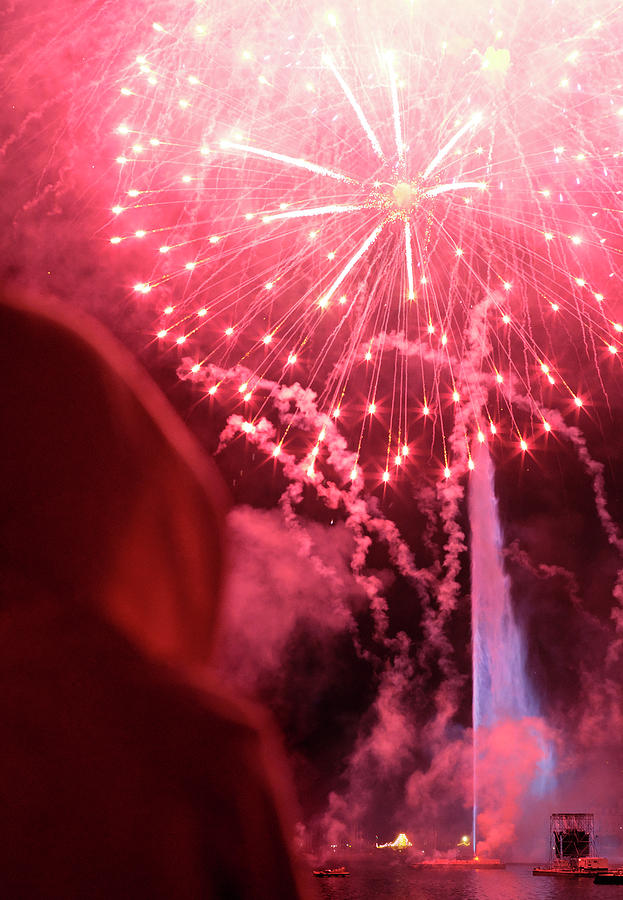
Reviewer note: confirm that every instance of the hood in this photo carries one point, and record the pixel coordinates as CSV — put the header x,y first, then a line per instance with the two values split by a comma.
x,y
106,499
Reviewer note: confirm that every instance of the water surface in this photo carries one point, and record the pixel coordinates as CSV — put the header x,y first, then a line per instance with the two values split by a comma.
x,y
516,882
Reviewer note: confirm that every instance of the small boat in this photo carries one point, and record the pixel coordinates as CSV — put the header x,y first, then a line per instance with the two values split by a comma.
x,y
614,877
339,872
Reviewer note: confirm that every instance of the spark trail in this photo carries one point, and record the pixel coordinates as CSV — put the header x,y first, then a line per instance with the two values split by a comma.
x,y
324,186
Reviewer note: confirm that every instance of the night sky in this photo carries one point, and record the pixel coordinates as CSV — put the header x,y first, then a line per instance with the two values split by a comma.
x,y
348,608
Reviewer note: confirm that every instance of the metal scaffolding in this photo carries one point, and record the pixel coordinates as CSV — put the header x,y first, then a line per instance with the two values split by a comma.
x,y
572,836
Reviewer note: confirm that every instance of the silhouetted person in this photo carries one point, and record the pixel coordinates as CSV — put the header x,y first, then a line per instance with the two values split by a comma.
x,y
119,775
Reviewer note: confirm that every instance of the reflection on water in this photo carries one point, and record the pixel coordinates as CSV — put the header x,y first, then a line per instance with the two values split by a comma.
x,y
399,882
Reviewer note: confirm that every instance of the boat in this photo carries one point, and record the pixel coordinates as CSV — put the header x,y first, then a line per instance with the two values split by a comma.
x,y
614,877
339,872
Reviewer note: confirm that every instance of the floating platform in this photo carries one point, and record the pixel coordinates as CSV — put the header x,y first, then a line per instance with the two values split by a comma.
x,y
584,868
561,872
459,864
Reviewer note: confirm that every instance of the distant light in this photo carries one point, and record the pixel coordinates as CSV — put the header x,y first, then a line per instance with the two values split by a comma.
x,y
229,331
456,396
368,356
481,437
446,472
181,339
425,410
372,408
547,426
470,464
292,359
578,401
523,445
385,475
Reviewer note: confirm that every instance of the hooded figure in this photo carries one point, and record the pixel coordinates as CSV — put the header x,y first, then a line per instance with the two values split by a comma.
x,y
124,770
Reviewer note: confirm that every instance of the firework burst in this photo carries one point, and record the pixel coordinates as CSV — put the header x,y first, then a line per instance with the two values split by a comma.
x,y
406,217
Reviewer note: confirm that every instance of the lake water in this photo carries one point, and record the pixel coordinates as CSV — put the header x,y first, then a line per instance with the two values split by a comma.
x,y
516,882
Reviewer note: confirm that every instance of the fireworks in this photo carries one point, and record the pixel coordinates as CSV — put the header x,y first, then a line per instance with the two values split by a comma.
x,y
412,213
